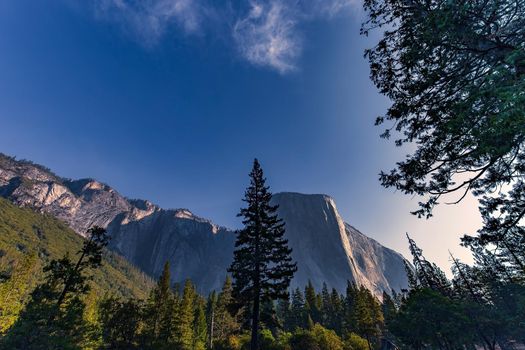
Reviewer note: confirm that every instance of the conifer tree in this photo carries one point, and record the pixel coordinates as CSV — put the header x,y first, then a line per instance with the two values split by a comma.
x,y
349,322
53,318
284,313
268,318
326,306
199,325
368,316
463,123
159,311
297,312
427,274
184,330
225,324
211,310
335,319
120,323
262,267
312,303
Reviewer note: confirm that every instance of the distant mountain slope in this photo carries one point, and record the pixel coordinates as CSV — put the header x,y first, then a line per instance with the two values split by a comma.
x,y
81,203
25,234
326,249
145,234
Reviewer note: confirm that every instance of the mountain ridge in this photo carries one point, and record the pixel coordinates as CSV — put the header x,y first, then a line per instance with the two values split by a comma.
x,y
148,235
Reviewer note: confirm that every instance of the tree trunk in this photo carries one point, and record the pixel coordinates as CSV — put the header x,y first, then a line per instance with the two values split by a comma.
x,y
255,324
212,326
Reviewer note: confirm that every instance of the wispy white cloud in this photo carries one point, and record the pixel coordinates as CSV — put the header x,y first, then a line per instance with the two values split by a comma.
x,y
267,36
266,33
150,19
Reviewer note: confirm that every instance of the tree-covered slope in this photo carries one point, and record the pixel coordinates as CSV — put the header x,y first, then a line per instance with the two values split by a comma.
x,y
29,239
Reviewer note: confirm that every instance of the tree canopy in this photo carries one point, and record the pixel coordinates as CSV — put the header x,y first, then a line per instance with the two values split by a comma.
x,y
455,73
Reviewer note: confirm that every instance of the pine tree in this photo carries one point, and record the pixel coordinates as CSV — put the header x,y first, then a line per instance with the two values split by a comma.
x,y
211,313
184,329
269,319
326,306
427,274
349,322
368,316
120,323
388,307
284,314
312,303
225,324
262,267
53,318
336,318
199,325
159,311
297,310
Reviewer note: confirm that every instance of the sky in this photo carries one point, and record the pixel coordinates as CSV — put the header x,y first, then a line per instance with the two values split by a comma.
x,y
170,101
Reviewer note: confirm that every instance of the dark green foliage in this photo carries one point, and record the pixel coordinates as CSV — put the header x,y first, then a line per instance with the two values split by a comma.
x,y
426,274
482,307
269,318
298,315
53,318
284,313
158,312
431,319
368,316
262,266
304,340
312,303
455,71
334,312
120,323
456,83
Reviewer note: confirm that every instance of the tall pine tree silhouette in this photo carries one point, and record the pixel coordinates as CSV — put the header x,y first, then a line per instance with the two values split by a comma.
x,y
262,267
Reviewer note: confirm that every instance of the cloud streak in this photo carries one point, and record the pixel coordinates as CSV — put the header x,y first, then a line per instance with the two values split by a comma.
x,y
265,33
150,19
267,36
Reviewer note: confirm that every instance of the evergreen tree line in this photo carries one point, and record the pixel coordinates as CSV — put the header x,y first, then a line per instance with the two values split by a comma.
x,y
63,314
177,317
481,307
170,319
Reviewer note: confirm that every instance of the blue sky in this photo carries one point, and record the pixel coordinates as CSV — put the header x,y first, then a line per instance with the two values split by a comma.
x,y
170,100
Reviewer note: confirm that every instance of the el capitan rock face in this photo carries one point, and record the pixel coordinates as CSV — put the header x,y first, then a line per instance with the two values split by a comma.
x,y
329,250
325,247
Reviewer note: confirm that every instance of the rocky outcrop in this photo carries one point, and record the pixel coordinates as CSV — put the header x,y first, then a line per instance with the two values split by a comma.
x,y
325,247
329,250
